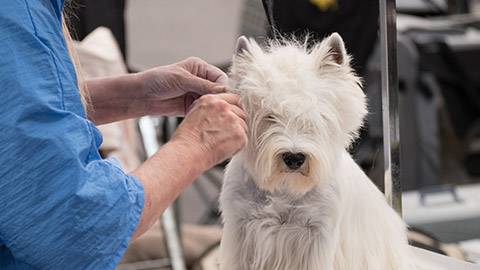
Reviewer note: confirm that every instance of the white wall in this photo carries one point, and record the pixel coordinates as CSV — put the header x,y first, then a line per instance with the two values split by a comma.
x,y
166,31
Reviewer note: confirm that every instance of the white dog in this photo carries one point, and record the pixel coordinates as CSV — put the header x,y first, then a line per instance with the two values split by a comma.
x,y
294,199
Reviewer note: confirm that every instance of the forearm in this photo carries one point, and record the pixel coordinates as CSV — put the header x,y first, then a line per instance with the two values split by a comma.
x,y
166,90
164,176
115,98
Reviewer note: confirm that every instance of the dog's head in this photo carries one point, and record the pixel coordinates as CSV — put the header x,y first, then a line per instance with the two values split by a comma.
x,y
304,106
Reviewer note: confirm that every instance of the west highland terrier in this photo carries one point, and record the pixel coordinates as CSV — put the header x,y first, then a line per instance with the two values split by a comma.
x,y
294,199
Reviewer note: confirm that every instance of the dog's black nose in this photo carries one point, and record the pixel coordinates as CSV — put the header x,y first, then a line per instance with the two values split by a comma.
x,y
293,160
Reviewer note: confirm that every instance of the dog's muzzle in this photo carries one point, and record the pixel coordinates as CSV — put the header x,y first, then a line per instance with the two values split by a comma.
x,y
293,160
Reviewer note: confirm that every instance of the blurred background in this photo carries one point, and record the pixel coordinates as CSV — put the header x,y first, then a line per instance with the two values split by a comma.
x,y
438,52
162,32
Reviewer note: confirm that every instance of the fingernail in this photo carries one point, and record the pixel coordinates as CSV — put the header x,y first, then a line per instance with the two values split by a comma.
x,y
219,89
228,89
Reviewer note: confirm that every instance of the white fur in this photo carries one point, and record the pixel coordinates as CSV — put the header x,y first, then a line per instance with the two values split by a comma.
x,y
327,214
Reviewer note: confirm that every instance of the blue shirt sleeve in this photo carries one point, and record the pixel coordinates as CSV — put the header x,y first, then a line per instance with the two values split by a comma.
x,y
61,205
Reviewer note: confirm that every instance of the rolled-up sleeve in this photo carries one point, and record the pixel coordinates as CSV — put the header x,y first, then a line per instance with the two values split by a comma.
x,y
61,205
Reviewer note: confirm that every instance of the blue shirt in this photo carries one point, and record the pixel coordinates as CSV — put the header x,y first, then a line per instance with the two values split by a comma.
x,y
61,205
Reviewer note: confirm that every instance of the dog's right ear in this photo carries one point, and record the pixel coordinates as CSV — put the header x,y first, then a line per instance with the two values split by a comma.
x,y
331,51
242,45
337,48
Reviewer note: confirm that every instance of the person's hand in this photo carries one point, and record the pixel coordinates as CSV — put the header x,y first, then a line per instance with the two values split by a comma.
x,y
215,128
171,90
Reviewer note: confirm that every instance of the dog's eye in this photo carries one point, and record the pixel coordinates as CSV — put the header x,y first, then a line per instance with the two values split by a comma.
x,y
270,117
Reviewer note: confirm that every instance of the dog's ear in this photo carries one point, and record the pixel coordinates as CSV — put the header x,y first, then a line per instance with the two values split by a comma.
x,y
331,51
336,48
242,45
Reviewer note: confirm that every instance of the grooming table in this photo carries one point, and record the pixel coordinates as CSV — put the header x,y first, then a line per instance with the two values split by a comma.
x,y
427,260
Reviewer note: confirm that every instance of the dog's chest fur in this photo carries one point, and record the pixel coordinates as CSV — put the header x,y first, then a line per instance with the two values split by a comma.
x,y
282,209
278,229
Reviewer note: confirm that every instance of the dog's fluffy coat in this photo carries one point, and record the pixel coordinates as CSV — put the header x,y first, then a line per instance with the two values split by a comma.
x,y
326,214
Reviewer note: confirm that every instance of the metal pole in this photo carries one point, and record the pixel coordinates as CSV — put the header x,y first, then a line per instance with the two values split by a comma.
x,y
169,225
391,125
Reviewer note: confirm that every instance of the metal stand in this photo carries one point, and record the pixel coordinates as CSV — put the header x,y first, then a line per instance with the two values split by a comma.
x,y
169,224
391,125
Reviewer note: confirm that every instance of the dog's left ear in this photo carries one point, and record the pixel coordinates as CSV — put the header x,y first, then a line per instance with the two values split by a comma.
x,y
242,45
336,49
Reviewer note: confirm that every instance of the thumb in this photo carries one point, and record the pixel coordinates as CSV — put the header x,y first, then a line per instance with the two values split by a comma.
x,y
204,87
222,79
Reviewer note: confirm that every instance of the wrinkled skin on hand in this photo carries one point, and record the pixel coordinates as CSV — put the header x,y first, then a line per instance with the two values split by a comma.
x,y
171,90
215,126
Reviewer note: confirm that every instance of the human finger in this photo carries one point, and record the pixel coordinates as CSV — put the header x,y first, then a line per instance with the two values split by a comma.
x,y
204,70
230,98
215,74
234,105
238,111
203,87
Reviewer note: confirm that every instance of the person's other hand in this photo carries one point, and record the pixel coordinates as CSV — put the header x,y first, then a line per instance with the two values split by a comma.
x,y
215,128
171,90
